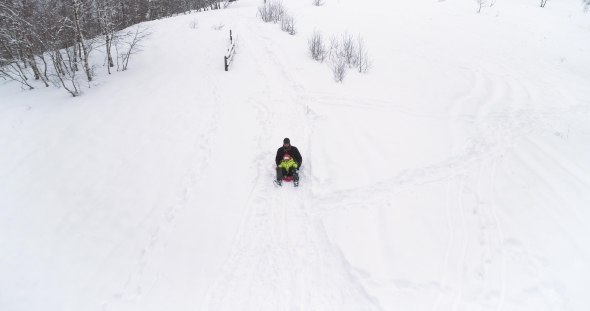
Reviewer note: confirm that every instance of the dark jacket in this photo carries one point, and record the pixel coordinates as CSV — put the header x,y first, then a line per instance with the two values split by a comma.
x,y
292,151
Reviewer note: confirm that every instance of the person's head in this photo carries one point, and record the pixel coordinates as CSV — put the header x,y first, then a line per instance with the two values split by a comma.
x,y
286,143
286,157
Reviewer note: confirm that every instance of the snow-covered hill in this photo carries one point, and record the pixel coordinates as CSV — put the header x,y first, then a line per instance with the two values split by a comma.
x,y
454,175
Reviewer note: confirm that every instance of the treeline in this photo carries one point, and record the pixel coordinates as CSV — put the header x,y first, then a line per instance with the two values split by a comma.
x,y
51,40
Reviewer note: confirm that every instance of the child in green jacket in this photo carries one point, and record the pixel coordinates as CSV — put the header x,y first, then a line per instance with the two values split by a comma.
x,y
288,167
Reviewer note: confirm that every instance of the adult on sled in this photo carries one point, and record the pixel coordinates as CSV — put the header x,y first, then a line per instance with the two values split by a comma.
x,y
288,166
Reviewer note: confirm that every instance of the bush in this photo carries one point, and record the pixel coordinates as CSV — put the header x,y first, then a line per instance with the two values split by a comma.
x,y
363,61
272,11
218,26
288,24
316,47
194,24
348,49
353,52
339,69
344,52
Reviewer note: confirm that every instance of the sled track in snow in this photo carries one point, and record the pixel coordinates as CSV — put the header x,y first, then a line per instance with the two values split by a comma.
x,y
282,255
448,247
501,236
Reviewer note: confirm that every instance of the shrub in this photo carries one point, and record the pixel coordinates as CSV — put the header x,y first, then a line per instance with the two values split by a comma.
x,y
316,47
288,24
194,24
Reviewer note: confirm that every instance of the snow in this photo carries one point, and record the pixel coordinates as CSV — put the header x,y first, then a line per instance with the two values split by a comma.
x,y
454,175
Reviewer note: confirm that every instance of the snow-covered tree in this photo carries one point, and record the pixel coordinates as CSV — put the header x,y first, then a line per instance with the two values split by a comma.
x,y
51,40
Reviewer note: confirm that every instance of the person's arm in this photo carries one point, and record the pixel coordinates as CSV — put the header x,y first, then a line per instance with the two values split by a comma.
x,y
299,158
278,157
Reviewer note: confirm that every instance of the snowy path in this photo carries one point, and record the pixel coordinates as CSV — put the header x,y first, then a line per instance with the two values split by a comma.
x,y
282,255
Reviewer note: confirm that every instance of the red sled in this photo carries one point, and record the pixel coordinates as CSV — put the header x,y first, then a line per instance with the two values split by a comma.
x,y
286,178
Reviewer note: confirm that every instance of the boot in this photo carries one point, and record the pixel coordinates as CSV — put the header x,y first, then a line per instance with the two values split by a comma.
x,y
296,177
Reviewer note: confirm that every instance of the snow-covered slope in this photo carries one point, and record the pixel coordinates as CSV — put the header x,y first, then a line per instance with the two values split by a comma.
x,y
455,175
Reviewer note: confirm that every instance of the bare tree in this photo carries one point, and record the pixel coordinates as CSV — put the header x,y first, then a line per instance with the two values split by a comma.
x,y
363,61
12,62
339,68
316,47
481,3
51,41
154,10
61,75
264,12
106,13
318,2
543,2
78,12
288,24
353,53
194,24
12,72
132,42
19,42
492,2
334,47
218,26
348,49
586,5
272,11
278,10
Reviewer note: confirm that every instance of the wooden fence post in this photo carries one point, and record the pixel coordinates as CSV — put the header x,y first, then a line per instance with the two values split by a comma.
x,y
227,59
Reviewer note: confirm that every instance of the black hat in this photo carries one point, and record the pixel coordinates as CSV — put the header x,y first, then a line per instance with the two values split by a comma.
x,y
286,141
